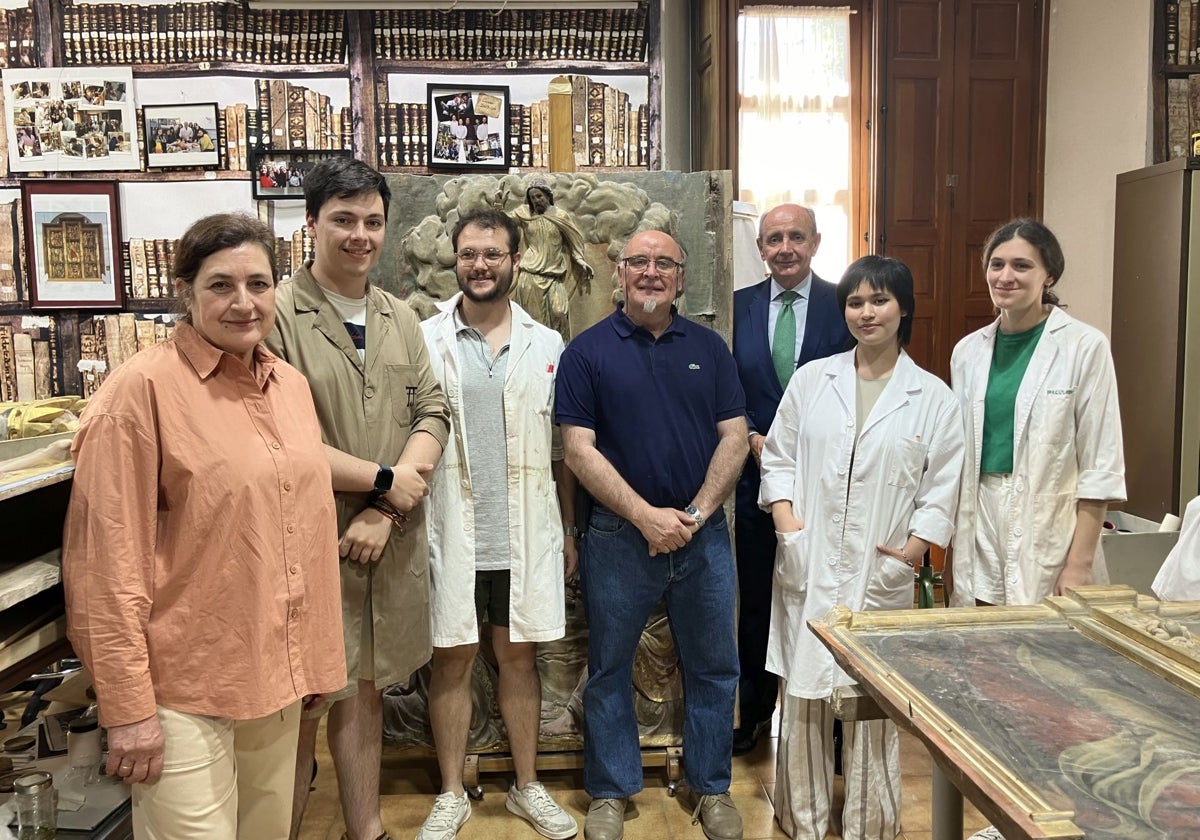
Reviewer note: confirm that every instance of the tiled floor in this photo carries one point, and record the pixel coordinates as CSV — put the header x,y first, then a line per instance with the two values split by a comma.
x,y
408,794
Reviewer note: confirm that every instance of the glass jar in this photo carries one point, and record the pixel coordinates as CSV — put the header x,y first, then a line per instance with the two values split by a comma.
x,y
83,749
37,806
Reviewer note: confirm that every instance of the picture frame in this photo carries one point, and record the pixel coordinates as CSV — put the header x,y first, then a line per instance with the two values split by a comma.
x,y
179,135
76,119
468,127
278,174
72,244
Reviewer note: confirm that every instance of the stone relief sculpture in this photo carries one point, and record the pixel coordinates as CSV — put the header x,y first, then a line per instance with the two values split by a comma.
x,y
552,264
592,219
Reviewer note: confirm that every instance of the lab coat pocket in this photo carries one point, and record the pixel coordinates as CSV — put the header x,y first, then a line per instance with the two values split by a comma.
x,y
791,560
402,381
890,586
1054,521
907,463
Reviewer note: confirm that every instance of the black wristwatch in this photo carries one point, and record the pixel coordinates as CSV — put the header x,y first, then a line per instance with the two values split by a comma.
x,y
383,481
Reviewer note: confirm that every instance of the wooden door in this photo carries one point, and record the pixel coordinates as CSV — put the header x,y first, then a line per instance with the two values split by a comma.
x,y
961,117
714,86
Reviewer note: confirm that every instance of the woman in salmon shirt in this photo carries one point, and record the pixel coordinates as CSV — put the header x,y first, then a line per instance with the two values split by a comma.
x,y
200,554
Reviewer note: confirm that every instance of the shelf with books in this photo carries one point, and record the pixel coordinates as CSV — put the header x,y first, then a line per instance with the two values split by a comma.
x,y
220,68
503,68
1176,57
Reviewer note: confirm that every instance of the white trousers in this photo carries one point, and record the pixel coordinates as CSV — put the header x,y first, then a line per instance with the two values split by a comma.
x,y
804,774
221,779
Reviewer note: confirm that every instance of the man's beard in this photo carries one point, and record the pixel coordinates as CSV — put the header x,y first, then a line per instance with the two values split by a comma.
x,y
649,305
499,290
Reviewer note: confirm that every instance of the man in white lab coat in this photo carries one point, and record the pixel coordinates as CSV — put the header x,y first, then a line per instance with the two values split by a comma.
x,y
502,541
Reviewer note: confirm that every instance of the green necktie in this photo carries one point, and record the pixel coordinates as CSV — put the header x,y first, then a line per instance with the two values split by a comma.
x,y
783,348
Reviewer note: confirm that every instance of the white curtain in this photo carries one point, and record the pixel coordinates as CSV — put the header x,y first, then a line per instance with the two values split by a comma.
x,y
794,118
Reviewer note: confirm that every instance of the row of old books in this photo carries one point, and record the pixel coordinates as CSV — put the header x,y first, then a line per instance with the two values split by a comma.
x,y
147,263
28,359
1182,23
106,341
511,34
295,117
17,48
403,132
188,33
1183,115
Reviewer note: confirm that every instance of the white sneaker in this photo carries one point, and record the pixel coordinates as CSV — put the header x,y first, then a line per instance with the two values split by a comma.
x,y
989,833
447,817
534,805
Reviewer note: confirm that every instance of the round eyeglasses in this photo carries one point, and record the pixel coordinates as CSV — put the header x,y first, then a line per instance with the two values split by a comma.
x,y
492,256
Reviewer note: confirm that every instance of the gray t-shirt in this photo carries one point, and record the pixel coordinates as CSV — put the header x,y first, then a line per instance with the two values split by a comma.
x,y
487,451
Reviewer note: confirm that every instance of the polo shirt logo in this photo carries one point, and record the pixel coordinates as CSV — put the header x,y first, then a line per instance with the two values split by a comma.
x,y
693,366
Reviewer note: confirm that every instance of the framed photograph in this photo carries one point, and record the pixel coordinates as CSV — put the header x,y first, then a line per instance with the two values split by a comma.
x,y
278,175
70,119
181,135
73,244
468,127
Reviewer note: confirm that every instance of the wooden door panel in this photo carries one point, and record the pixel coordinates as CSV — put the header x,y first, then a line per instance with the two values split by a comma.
x,y
917,30
993,27
913,153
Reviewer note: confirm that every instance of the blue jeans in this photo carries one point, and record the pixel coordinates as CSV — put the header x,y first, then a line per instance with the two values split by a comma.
x,y
621,585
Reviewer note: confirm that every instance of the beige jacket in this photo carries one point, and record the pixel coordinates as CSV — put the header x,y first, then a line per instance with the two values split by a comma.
x,y
369,410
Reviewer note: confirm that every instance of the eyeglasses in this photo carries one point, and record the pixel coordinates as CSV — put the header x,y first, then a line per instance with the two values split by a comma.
x,y
492,256
664,265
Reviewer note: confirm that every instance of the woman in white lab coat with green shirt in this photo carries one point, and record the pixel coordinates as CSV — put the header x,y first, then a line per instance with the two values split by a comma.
x,y
1043,431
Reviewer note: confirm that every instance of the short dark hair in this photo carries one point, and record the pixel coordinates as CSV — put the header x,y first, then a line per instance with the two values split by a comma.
x,y
342,177
488,219
216,233
882,274
1035,232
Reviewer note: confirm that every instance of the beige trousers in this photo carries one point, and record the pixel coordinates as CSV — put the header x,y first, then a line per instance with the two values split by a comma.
x,y
221,779
804,773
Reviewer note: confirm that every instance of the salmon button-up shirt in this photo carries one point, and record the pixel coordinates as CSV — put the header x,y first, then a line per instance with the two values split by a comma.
x,y
200,549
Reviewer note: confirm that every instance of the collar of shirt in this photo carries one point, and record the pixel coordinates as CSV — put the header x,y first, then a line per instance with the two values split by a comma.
x,y
205,358
801,289
625,326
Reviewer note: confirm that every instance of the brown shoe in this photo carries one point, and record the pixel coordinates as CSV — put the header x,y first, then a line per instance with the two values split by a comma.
x,y
718,816
605,820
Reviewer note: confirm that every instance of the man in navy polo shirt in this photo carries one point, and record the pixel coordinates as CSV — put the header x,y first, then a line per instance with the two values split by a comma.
x,y
653,423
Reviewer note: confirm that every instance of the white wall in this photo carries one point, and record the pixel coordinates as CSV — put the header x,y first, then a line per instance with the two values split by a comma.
x,y
1098,124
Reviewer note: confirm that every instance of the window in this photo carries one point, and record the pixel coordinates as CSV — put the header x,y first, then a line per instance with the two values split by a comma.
x,y
796,118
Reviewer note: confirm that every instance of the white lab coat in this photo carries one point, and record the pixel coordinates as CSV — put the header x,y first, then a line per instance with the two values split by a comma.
x,y
902,479
537,600
1066,447
1179,577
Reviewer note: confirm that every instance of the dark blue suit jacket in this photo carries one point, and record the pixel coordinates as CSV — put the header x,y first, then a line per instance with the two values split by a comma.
x,y
825,333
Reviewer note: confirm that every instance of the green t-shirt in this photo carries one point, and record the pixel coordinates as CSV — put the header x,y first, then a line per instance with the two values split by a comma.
x,y
1010,360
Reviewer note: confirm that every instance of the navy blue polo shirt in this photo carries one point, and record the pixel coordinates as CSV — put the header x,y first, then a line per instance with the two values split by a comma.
x,y
654,404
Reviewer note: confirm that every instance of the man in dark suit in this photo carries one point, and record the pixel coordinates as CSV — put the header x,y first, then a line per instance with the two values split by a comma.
x,y
769,343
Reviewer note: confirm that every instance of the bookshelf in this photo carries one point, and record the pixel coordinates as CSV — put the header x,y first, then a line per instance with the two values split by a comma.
x,y
363,68
32,508
1176,77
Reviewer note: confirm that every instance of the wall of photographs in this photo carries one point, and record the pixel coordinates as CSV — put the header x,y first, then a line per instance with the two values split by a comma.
x,y
154,114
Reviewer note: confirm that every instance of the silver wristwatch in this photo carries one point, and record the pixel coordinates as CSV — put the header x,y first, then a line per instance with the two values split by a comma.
x,y
694,512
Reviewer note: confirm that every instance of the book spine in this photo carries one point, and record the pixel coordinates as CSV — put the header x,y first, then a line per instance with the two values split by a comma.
x,y
1172,33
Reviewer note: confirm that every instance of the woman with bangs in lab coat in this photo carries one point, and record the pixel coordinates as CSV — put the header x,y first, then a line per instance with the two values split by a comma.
x,y
860,472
